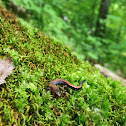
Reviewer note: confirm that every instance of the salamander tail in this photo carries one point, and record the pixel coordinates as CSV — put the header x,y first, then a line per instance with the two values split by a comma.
x,y
82,82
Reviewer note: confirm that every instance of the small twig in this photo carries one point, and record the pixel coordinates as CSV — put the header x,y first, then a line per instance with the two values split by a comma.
x,y
121,105
11,31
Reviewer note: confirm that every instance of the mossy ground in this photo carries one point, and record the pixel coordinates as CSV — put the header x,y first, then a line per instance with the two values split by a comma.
x,y
38,60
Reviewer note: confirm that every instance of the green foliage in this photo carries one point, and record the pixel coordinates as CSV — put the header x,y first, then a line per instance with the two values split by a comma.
x,y
73,22
38,60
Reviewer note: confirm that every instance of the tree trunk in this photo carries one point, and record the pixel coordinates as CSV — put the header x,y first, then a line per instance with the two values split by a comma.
x,y
93,16
119,33
100,25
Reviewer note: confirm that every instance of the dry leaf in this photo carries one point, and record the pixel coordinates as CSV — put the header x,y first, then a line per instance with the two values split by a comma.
x,y
6,67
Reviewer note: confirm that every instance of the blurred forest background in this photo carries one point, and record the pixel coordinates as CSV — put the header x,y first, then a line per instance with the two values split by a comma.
x,y
94,29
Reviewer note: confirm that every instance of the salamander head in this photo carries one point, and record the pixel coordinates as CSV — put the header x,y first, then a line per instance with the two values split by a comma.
x,y
55,90
58,93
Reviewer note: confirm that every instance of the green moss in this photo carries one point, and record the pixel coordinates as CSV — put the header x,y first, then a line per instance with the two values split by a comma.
x,y
38,60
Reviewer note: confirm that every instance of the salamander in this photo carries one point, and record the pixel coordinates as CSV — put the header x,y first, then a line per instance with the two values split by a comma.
x,y
56,90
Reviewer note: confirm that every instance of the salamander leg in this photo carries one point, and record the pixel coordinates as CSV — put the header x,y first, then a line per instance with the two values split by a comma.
x,y
64,86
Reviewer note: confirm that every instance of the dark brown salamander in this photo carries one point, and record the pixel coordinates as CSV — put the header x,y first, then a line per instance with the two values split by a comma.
x,y
56,90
